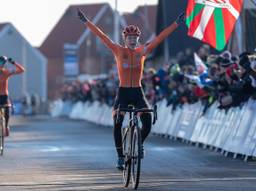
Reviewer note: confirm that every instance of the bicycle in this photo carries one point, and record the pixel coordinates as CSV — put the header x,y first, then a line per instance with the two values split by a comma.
x,y
132,145
2,128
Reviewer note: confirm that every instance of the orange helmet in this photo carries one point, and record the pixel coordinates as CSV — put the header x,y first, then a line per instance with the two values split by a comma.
x,y
131,30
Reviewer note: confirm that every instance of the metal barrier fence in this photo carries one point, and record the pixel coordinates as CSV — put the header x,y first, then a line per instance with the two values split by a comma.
x,y
232,132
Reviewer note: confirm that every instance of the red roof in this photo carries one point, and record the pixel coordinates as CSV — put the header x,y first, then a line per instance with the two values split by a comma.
x,y
68,29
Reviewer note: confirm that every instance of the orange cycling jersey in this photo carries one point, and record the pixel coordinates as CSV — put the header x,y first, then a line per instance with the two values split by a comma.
x,y
4,76
130,63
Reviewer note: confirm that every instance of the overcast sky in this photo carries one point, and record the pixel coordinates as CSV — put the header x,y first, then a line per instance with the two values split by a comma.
x,y
35,18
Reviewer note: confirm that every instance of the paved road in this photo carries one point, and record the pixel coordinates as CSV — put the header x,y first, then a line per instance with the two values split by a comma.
x,y
60,154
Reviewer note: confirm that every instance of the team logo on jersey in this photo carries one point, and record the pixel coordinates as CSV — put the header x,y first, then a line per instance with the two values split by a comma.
x,y
215,3
125,65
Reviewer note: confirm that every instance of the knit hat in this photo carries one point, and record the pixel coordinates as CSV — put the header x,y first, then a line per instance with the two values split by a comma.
x,y
225,59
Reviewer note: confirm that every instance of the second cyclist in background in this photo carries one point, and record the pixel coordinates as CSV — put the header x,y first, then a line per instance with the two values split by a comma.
x,y
5,74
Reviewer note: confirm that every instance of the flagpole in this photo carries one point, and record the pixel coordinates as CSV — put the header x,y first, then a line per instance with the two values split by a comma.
x,y
24,62
116,23
166,45
243,15
146,16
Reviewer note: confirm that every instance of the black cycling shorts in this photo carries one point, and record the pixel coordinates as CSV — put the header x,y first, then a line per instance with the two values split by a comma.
x,y
131,96
4,100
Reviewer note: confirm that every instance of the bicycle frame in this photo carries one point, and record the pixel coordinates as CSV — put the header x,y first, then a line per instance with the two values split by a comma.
x,y
133,122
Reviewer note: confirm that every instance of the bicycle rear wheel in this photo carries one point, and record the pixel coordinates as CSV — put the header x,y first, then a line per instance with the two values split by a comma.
x,y
127,151
136,157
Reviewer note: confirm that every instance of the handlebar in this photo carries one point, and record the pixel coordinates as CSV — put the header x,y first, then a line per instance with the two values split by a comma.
x,y
136,111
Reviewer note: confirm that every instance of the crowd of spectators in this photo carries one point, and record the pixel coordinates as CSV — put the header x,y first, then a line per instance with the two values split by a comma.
x,y
101,89
227,79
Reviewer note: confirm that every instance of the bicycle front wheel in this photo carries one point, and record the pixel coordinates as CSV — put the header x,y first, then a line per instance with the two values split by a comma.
x,y
2,126
136,157
126,134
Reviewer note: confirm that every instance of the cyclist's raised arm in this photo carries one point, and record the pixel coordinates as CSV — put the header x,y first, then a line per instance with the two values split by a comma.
x,y
164,34
105,39
18,68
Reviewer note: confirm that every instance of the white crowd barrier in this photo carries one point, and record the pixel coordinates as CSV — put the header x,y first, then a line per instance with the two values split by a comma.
x,y
233,131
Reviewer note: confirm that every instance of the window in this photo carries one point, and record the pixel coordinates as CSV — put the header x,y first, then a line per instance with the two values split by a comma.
x,y
88,42
71,62
108,20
